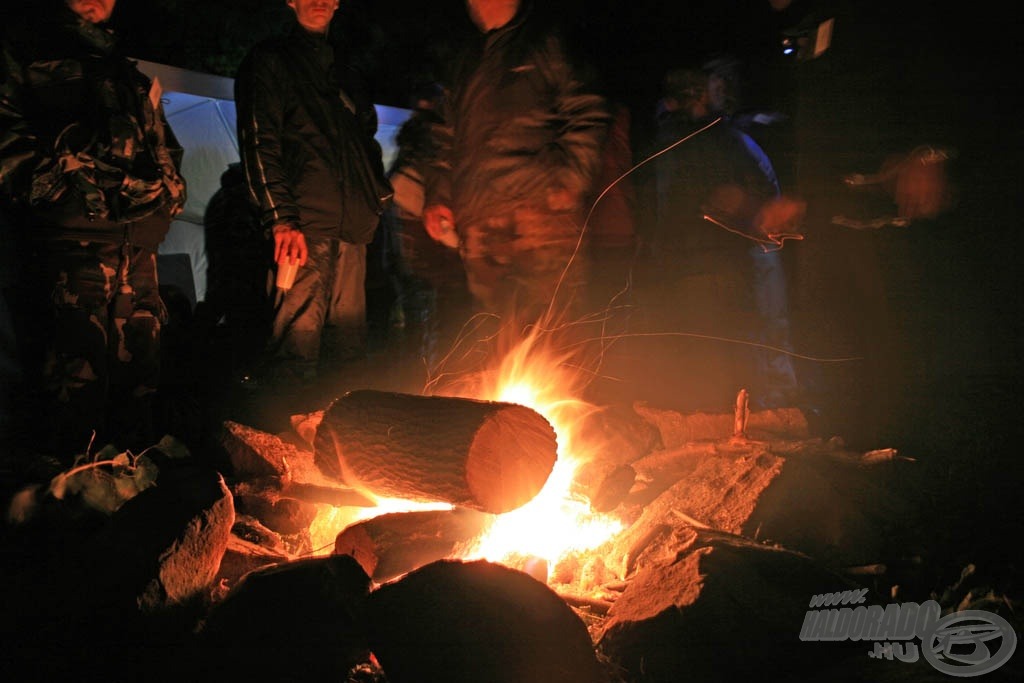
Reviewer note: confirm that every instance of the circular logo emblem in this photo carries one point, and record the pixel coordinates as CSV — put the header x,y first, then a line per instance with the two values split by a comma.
x,y
961,644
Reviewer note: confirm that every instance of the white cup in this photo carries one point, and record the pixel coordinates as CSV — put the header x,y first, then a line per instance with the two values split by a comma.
x,y
286,271
449,237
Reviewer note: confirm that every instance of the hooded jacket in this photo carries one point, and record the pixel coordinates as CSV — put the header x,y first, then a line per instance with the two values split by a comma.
x,y
85,149
305,131
520,120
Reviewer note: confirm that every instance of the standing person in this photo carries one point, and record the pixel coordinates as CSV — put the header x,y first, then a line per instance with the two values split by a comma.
x,y
522,145
715,269
90,169
870,88
239,262
430,278
305,128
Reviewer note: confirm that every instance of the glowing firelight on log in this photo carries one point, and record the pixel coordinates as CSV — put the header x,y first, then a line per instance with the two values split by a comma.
x,y
555,522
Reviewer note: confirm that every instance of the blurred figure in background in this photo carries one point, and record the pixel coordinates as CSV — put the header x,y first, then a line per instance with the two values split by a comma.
x,y
714,266
433,299
240,260
517,160
871,115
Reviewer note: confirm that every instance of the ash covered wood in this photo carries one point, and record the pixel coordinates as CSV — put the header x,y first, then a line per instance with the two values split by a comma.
x,y
720,607
484,455
612,437
678,428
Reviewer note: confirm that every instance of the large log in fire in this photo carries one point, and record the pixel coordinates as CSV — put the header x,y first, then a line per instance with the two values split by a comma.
x,y
483,455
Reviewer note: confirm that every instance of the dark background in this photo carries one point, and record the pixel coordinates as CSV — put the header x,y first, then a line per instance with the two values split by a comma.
x,y
899,74
945,388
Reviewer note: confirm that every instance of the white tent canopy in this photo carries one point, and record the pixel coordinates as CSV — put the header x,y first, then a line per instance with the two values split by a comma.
x,y
200,108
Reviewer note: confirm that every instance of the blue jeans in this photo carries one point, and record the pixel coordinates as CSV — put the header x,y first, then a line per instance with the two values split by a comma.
x,y
776,378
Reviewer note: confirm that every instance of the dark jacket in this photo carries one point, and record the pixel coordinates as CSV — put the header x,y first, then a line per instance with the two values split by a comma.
x,y
85,149
520,120
305,131
719,173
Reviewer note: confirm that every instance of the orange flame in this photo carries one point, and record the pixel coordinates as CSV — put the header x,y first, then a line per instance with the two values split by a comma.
x,y
537,375
534,373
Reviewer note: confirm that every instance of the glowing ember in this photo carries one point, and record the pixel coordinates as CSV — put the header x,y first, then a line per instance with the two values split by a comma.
x,y
549,526
331,520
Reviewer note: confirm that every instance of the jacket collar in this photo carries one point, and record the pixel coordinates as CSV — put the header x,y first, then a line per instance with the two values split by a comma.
x,y
300,33
95,36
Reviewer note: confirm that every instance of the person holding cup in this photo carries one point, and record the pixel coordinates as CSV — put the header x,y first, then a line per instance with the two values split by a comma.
x,y
305,129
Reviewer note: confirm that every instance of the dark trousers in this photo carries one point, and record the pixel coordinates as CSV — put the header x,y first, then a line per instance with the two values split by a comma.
x,y
93,358
322,318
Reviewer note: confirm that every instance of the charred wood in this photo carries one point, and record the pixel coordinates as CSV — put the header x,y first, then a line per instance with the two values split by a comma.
x,y
393,544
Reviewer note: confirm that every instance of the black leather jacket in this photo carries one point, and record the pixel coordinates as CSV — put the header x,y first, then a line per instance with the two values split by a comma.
x,y
85,149
305,131
521,120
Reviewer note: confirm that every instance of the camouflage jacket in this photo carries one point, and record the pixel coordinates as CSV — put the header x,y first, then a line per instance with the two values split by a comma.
x,y
85,149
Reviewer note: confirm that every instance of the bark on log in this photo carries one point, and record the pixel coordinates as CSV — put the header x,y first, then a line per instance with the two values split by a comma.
x,y
394,544
484,455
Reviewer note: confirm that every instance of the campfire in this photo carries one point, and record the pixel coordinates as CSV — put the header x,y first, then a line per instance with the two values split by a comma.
x,y
514,435
498,528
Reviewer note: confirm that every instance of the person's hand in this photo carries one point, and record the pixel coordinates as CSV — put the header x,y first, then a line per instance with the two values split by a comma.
x,y
922,189
781,218
289,243
561,199
439,222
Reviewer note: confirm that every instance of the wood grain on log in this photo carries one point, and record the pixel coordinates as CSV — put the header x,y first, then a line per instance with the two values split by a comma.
x,y
485,455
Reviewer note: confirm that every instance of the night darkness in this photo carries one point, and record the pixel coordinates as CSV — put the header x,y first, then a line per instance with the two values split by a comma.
x,y
907,73
901,74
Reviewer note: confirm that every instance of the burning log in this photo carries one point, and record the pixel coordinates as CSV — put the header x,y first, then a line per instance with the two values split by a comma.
x,y
604,485
715,490
617,436
485,455
394,544
261,460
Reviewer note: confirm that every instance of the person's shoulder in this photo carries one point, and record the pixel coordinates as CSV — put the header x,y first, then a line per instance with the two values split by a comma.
x,y
266,54
273,46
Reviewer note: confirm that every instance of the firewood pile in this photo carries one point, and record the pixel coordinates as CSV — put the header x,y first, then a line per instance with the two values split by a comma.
x,y
731,523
